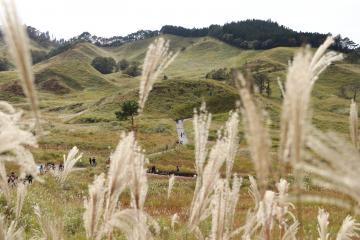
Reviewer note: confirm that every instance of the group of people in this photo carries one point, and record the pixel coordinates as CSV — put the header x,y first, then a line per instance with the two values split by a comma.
x,y
154,170
50,166
13,179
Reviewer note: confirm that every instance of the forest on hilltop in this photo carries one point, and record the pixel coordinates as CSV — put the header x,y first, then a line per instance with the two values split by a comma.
x,y
260,34
247,34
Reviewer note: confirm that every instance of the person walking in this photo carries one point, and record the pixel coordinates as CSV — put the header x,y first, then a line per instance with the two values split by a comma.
x,y
29,178
12,180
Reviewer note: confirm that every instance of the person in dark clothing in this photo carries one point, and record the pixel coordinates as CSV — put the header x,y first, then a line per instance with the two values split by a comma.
x,y
94,162
90,161
177,169
61,167
29,178
153,169
41,168
12,179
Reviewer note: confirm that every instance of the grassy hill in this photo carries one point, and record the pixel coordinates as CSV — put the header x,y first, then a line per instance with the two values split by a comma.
x,y
78,105
68,79
73,95
173,99
72,70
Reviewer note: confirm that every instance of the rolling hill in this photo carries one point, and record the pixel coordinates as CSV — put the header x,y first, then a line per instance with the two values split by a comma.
x,y
68,79
78,105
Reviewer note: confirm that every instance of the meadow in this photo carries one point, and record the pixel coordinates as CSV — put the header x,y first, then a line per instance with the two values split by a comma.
x,y
281,139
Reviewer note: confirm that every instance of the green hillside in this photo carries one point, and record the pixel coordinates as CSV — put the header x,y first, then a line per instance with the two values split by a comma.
x,y
174,99
68,79
78,104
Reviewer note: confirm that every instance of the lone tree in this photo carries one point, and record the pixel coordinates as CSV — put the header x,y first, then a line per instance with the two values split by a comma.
x,y
128,109
105,65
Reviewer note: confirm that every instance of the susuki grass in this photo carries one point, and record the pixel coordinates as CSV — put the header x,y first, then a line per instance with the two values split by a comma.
x,y
103,213
18,43
257,135
171,184
94,207
224,204
354,125
115,205
296,118
157,59
208,173
49,228
18,138
9,231
68,165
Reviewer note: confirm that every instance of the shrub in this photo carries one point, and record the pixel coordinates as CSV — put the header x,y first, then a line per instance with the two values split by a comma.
x,y
38,56
353,57
133,70
91,120
122,65
219,74
4,64
105,65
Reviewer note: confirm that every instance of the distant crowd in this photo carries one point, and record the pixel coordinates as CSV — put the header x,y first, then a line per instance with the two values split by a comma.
x,y
44,168
13,180
155,170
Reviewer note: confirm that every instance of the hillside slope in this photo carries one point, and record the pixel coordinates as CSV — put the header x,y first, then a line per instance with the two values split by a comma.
x,y
68,79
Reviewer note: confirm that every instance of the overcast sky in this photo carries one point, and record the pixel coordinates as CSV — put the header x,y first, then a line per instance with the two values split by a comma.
x,y
67,18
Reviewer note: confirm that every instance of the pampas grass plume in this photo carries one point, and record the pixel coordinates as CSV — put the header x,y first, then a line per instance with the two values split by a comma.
x,y
171,185
354,125
18,43
157,59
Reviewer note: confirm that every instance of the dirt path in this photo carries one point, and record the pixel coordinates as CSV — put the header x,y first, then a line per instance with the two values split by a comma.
x,y
69,117
161,152
154,175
